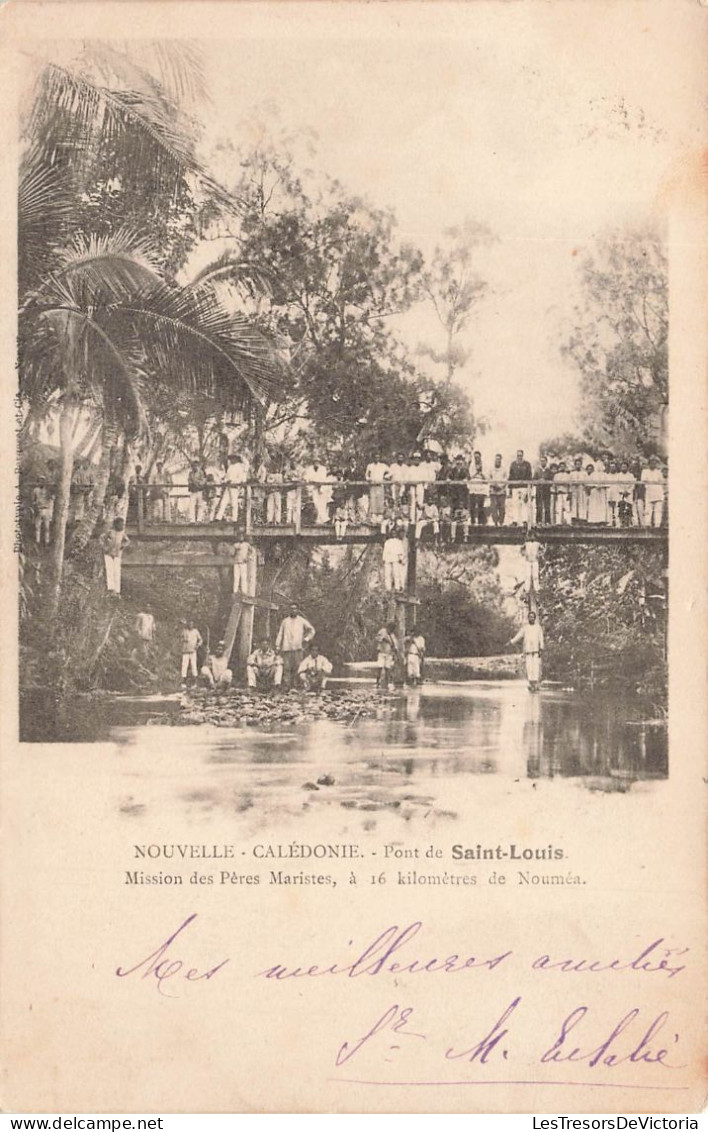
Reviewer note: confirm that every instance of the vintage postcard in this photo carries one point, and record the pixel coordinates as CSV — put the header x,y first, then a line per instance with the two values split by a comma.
x,y
354,609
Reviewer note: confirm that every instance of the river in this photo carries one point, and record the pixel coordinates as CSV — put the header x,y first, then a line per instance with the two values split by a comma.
x,y
429,756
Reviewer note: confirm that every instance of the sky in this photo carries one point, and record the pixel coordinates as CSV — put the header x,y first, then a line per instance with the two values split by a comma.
x,y
545,129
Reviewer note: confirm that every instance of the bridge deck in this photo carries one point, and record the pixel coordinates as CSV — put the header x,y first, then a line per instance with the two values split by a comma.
x,y
144,552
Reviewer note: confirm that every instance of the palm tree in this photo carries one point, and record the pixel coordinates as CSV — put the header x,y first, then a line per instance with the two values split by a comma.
x,y
99,325
106,331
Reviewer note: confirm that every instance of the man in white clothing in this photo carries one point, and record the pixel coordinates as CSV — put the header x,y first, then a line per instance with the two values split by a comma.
x,y
532,636
394,563
415,655
314,670
653,493
216,673
191,641
321,496
530,552
242,553
264,668
236,475
294,633
145,628
375,475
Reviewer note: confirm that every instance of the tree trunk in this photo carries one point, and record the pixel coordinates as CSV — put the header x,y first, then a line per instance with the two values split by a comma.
x,y
67,418
84,530
258,434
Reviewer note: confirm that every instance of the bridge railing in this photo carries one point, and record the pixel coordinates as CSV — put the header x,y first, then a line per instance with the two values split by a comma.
x,y
603,501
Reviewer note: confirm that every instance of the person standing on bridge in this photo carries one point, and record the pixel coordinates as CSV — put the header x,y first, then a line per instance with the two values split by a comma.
x,y
375,475
625,495
477,490
160,493
294,633
532,636
543,477
196,483
653,480
497,491
236,476
560,496
316,474
519,477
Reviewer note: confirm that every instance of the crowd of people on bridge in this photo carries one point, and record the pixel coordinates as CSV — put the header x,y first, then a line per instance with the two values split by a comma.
x,y
430,494
423,492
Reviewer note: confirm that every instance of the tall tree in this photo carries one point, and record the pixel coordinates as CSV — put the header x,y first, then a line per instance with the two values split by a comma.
x,y
335,281
455,288
106,137
619,341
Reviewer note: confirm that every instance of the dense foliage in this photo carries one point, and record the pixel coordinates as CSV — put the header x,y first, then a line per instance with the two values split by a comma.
x,y
605,615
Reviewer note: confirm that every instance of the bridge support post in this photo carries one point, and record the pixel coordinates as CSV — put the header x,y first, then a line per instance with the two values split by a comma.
x,y
411,578
244,636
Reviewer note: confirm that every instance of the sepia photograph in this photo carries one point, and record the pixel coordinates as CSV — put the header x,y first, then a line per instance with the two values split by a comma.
x,y
302,448
342,527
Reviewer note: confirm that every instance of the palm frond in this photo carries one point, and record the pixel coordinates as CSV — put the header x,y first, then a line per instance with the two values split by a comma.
x,y
191,340
76,114
226,268
118,265
174,66
44,210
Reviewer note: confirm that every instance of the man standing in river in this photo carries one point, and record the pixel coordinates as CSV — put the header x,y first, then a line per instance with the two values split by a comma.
x,y
532,636
294,633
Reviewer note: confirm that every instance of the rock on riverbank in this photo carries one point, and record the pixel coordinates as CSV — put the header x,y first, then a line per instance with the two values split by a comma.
x,y
238,708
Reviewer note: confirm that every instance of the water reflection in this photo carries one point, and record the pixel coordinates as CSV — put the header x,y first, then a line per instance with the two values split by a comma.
x,y
426,755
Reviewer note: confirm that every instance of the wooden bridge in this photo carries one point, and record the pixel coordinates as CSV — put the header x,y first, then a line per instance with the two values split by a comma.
x,y
178,544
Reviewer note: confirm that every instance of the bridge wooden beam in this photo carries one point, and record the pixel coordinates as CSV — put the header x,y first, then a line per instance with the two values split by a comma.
x,y
490,536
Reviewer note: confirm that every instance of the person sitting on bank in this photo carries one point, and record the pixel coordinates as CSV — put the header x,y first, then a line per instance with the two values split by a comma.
x,y
314,670
216,673
114,543
264,667
532,636
294,633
